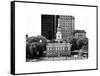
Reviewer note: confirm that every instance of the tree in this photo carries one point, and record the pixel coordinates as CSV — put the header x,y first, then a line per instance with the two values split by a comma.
x,y
31,50
85,47
74,44
35,46
82,42
32,39
43,39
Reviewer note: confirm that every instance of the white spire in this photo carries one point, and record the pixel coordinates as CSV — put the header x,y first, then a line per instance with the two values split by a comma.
x,y
58,24
58,34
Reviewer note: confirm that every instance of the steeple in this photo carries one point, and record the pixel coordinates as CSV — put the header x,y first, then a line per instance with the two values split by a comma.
x,y
58,28
58,34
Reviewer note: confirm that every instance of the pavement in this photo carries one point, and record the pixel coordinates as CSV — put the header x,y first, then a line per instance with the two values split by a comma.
x,y
57,58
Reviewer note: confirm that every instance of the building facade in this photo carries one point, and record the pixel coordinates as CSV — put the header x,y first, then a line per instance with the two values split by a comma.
x,y
57,50
67,25
79,34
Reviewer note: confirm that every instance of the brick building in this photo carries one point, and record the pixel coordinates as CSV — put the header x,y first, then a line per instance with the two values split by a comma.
x,y
79,34
57,49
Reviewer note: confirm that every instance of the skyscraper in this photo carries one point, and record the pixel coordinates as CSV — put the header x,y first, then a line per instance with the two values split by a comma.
x,y
67,25
48,26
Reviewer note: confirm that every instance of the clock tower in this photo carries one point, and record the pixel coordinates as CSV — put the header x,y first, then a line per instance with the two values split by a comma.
x,y
58,34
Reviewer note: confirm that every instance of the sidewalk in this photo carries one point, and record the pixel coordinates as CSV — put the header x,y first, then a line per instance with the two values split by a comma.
x,y
57,59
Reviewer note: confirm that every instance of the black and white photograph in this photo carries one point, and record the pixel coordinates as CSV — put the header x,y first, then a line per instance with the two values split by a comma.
x,y
59,40
53,37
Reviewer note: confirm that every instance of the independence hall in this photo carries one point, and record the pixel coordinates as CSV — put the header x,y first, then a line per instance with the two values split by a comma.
x,y
59,29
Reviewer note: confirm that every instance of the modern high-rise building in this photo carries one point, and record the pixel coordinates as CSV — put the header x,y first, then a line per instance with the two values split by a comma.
x,y
67,26
48,26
